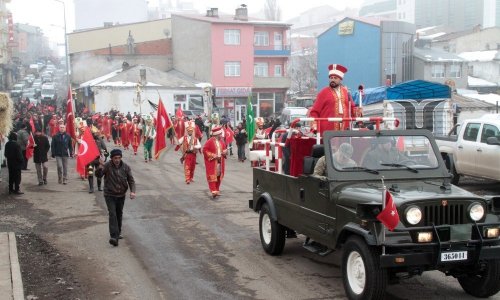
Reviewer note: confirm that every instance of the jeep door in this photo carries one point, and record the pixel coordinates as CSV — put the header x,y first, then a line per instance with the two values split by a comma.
x,y
487,162
308,198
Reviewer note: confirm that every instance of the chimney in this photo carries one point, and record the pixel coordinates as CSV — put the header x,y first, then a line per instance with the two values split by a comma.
x,y
241,13
213,12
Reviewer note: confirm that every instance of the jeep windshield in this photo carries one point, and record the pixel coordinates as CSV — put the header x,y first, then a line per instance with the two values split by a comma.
x,y
407,153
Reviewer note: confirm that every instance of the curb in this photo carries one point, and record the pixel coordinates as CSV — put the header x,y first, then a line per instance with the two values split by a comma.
x,y
15,269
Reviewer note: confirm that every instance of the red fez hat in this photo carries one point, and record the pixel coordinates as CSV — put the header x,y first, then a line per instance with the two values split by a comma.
x,y
337,70
217,130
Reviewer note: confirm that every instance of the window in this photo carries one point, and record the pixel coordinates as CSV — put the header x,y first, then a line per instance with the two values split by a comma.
x,y
232,68
455,71
470,70
489,131
260,70
471,132
261,38
232,37
437,71
278,71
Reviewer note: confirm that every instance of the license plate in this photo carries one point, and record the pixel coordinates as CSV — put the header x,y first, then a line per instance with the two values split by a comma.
x,y
452,256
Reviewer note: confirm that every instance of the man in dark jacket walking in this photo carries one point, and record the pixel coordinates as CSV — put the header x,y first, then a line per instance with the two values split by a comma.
x,y
15,163
117,179
40,159
22,140
61,149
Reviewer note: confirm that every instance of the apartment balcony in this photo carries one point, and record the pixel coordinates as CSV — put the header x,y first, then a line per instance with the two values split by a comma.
x,y
271,82
272,51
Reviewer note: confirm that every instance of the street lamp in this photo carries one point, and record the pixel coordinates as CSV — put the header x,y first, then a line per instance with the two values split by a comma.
x,y
68,82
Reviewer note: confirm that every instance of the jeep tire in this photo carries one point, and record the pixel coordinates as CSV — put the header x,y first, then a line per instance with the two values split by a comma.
x,y
362,276
482,284
272,234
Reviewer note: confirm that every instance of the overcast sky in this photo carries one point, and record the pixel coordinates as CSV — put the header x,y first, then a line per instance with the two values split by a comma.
x,y
48,14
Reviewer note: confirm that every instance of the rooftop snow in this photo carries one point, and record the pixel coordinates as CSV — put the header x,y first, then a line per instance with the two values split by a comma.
x,y
479,55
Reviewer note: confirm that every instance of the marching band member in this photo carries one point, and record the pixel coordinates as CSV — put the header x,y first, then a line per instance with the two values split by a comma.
x,y
149,134
215,152
190,145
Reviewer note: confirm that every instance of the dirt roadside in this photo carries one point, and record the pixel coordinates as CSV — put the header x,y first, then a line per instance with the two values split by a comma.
x,y
62,237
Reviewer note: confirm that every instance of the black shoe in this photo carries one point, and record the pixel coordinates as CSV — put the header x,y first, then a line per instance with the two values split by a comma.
x,y
17,193
113,241
40,183
45,182
91,191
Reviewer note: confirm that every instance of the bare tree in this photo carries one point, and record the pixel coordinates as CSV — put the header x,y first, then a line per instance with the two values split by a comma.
x,y
303,71
272,10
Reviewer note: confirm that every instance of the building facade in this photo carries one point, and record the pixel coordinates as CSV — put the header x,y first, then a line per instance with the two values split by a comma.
x,y
96,52
238,57
439,66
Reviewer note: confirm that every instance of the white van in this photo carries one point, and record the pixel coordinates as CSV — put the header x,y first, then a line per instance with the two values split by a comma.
x,y
291,113
48,92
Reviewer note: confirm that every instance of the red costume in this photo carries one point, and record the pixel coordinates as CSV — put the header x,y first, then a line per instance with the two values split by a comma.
x,y
135,133
124,133
334,103
54,126
190,146
106,127
214,152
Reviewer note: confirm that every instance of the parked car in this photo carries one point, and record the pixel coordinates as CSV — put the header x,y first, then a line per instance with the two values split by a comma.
x,y
17,90
475,150
29,93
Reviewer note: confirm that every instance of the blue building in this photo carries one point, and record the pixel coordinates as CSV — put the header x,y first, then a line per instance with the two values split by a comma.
x,y
374,52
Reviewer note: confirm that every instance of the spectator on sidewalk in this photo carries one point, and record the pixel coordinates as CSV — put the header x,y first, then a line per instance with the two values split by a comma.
x,y
2,149
117,180
241,140
62,148
22,140
15,163
40,159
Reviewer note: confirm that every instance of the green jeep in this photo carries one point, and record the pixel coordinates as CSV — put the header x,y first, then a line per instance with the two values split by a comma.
x,y
441,226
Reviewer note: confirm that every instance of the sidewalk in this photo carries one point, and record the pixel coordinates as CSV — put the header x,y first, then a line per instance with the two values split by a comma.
x,y
11,284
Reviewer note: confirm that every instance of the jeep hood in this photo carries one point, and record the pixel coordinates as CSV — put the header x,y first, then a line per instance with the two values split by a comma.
x,y
402,192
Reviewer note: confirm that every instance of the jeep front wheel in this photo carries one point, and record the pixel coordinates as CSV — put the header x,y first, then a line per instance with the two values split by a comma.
x,y
272,234
483,283
363,278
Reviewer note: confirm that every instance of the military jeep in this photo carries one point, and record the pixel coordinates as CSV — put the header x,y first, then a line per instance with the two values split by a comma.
x,y
441,226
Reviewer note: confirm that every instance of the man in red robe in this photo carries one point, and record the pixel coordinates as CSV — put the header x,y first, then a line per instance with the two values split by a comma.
x,y
124,133
135,133
334,101
54,125
215,152
189,146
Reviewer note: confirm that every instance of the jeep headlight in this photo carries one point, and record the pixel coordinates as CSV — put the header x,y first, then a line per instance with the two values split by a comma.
x,y
413,215
476,211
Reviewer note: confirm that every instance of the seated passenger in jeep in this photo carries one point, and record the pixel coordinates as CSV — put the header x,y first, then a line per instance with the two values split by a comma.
x,y
383,153
341,159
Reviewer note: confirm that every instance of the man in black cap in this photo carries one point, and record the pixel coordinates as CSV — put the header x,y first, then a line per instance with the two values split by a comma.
x,y
117,179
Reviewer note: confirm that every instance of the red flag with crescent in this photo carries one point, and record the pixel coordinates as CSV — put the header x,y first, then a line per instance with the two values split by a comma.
x,y
162,125
389,215
87,151
70,116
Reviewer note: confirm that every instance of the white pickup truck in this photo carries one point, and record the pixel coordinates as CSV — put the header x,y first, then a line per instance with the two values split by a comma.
x,y
475,150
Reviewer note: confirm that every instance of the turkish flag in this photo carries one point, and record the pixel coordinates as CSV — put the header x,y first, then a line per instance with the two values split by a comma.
x,y
30,146
163,123
70,116
87,151
389,215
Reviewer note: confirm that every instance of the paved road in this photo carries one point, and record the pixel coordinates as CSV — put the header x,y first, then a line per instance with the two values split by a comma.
x,y
197,248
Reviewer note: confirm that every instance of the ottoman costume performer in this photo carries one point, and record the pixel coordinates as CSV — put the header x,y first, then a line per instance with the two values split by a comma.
x,y
124,133
135,133
149,134
190,145
115,131
215,152
334,101
92,167
260,134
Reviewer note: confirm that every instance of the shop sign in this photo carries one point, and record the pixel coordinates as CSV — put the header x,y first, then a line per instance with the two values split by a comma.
x,y
346,28
232,91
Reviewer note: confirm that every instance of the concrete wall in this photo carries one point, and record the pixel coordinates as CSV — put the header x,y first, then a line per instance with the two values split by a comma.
x,y
192,46
488,70
423,70
86,66
100,38
487,39
358,52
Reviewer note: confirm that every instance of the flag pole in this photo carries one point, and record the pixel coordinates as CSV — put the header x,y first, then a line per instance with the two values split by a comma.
x,y
384,190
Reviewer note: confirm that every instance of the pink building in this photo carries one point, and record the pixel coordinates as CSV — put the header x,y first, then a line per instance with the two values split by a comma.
x,y
238,56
